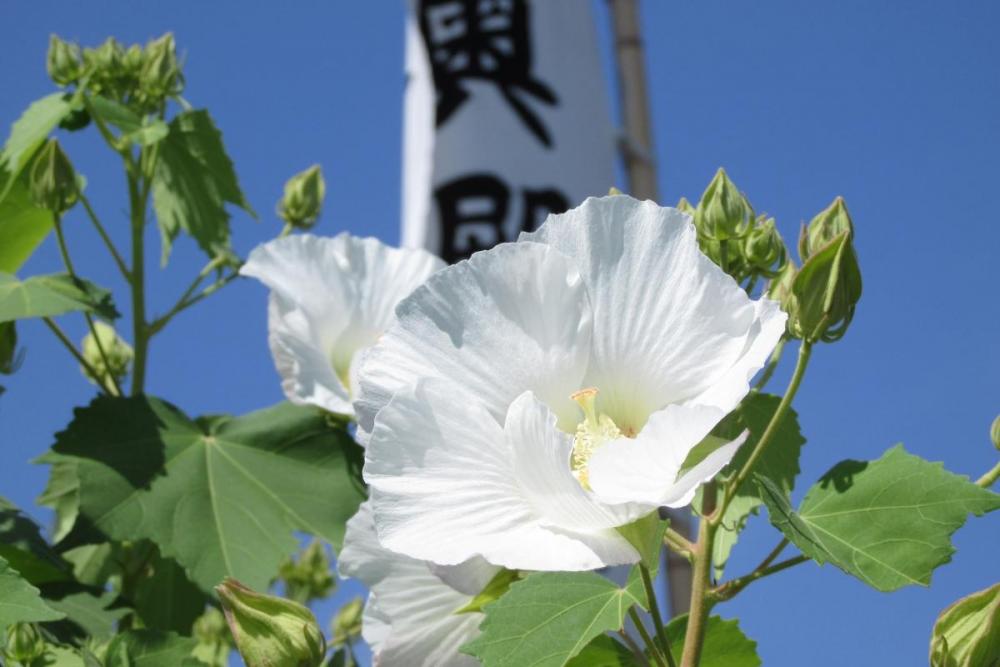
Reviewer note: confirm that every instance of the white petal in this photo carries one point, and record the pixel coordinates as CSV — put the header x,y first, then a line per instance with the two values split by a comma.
x,y
669,324
644,469
510,319
331,297
410,615
445,487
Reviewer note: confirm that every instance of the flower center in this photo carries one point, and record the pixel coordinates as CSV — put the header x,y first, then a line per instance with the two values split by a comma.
x,y
591,433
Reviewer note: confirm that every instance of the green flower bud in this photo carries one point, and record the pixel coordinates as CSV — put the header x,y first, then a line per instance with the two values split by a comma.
x,y
24,643
612,191
303,200
161,73
764,249
684,206
723,212
346,625
826,290
63,61
110,57
52,180
271,631
214,640
310,578
995,432
967,633
107,345
821,230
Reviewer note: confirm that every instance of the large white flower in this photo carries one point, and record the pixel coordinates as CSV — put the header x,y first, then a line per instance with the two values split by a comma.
x,y
410,618
330,299
531,399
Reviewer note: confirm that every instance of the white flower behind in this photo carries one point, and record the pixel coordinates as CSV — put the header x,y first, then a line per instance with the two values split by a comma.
x,y
330,299
409,619
608,330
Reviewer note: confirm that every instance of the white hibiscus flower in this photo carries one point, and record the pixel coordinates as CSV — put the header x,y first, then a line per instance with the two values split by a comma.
x,y
410,618
531,399
330,299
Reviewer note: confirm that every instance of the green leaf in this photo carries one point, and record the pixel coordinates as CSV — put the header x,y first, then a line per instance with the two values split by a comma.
x,y
25,550
221,495
549,617
604,651
725,644
165,599
134,129
193,182
887,522
61,493
779,463
60,656
497,586
49,295
150,648
967,633
23,225
20,601
31,129
646,535
92,610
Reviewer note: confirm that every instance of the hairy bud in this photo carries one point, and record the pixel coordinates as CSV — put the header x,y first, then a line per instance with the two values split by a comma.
x,y
24,643
303,199
723,212
107,354
346,625
53,180
63,61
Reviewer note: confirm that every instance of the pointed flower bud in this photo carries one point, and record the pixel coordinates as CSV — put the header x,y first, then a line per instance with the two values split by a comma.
x,y
161,73
995,432
303,200
764,249
52,180
684,206
310,578
214,640
723,212
821,230
826,290
271,631
118,353
967,633
346,625
24,643
63,61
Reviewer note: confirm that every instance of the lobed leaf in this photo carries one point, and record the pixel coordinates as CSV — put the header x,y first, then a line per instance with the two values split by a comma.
x,y
888,522
49,295
223,496
20,601
725,644
549,617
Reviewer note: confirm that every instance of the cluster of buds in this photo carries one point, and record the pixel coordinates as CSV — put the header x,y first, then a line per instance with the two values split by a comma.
x,y
745,245
24,644
820,297
140,77
270,631
303,199
309,578
108,357
214,640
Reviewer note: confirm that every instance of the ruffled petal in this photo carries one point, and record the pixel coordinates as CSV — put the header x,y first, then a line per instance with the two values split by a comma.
x,y
644,469
511,319
331,297
669,325
445,487
410,615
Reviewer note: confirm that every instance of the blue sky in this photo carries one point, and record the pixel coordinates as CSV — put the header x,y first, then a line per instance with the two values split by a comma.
x,y
892,105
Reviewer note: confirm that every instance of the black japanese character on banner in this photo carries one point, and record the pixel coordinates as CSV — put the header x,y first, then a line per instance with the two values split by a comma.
x,y
473,211
487,40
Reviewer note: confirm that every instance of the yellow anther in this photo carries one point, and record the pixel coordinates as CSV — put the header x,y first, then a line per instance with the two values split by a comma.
x,y
591,433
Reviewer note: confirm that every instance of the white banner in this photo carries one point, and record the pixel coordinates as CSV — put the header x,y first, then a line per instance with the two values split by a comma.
x,y
506,120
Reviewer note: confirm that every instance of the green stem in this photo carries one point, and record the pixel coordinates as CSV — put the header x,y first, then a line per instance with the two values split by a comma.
x,y
701,603
987,480
805,350
729,589
107,239
137,194
654,611
654,649
640,657
115,389
772,364
723,255
64,339
678,543
186,299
